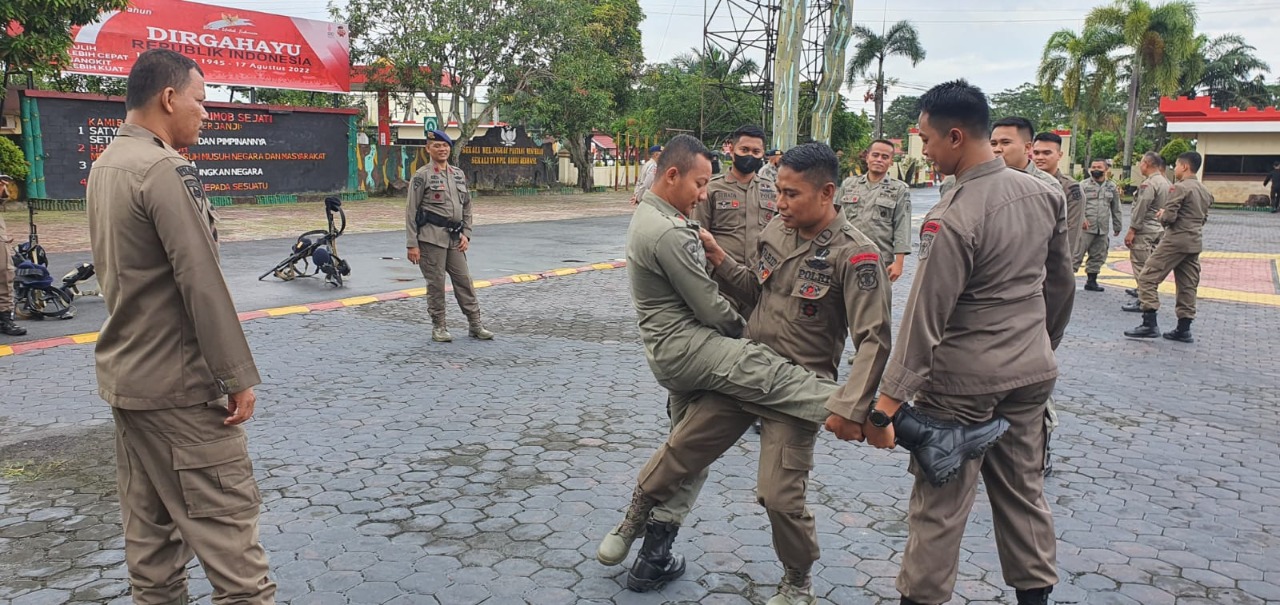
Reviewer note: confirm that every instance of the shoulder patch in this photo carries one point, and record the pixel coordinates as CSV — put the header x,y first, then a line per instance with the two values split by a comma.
x,y
927,232
191,179
694,248
864,258
865,265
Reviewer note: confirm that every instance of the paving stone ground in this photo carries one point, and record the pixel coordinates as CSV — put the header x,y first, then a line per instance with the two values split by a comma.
x,y
395,470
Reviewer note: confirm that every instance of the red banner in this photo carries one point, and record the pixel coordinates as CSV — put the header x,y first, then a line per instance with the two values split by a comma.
x,y
232,46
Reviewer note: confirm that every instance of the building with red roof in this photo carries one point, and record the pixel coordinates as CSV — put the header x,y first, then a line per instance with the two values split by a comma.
x,y
1239,145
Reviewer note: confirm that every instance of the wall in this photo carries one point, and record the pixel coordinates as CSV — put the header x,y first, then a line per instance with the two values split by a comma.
x,y
1238,143
603,175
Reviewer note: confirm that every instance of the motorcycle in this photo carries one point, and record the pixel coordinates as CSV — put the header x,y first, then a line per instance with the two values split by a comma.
x,y
33,291
316,251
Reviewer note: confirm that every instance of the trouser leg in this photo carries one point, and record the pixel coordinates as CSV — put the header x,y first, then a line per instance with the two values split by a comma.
x,y
712,424
1275,199
1158,266
1082,246
201,474
786,458
6,276
1011,472
1099,247
1186,278
753,373
675,508
1143,244
432,261
463,290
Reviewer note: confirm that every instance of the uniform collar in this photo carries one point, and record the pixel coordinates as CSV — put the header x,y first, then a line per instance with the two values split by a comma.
x,y
984,169
136,131
661,205
828,233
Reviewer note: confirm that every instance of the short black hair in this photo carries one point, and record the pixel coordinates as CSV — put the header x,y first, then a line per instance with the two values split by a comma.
x,y
1097,160
747,130
680,152
1191,159
892,148
1024,126
1049,137
1154,159
957,104
816,161
154,71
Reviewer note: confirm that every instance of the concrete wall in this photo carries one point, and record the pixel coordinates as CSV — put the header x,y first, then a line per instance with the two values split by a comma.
x,y
1238,189
604,175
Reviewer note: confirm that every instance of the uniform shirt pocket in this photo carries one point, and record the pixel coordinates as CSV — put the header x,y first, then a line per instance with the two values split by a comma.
x,y
884,208
807,298
216,477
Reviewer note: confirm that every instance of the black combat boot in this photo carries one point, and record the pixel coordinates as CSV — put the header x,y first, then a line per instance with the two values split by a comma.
x,y
1092,284
655,565
1131,292
1148,329
1132,306
939,448
8,327
1183,333
906,601
1039,596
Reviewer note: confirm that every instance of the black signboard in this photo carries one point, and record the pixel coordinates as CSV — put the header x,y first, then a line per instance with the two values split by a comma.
x,y
504,157
244,150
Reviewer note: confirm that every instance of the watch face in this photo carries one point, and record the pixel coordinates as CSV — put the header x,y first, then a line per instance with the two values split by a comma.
x,y
879,419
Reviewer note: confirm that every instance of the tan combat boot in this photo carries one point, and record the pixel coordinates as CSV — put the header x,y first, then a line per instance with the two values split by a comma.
x,y
440,333
617,543
477,330
796,589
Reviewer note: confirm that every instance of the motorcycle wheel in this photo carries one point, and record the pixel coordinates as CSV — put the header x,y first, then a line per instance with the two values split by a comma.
x,y
48,302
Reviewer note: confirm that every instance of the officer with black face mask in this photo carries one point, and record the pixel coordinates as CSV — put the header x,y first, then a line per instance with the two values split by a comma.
x,y
740,202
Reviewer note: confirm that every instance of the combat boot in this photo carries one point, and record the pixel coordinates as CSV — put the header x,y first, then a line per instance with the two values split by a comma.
x,y
616,544
1131,292
1132,306
939,448
796,589
1039,596
477,330
440,333
1148,329
1092,284
655,565
1182,333
8,327
906,601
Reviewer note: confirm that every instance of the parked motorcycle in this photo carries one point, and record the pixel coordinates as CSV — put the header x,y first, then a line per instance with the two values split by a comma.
x,y
34,294
316,251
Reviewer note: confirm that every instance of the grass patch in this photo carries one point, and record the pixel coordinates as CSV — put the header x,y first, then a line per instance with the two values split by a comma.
x,y
29,470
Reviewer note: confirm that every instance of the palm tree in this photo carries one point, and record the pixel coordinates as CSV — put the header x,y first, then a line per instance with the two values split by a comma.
x,y
902,40
1227,69
1079,65
1155,44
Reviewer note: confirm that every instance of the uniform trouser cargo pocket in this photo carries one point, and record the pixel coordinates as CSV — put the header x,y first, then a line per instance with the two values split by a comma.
x,y
216,477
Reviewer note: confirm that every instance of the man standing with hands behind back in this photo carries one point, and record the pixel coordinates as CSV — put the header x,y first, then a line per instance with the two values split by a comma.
x,y
438,222
172,360
1101,206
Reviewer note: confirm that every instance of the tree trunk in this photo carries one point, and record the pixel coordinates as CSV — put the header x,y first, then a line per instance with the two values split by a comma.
x,y
1131,121
880,100
579,154
1088,148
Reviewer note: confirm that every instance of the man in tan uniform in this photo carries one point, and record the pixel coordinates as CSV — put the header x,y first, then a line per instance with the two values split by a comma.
x,y
647,172
1144,228
1183,217
1011,140
817,281
438,224
1101,206
770,170
7,326
879,206
1046,152
740,203
171,358
990,301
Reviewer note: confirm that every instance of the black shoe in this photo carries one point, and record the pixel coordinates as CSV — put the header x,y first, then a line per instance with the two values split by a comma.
x,y
1092,284
1132,306
1148,329
939,448
756,427
1182,333
906,601
655,565
1131,292
8,327
1039,596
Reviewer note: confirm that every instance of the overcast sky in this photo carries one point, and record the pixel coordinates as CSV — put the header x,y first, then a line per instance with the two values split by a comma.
x,y
995,44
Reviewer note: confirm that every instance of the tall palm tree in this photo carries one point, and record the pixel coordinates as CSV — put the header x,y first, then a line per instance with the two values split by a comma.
x,y
1079,65
1155,43
1228,70
901,40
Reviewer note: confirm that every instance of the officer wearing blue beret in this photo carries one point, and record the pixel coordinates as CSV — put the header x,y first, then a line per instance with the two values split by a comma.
x,y
438,224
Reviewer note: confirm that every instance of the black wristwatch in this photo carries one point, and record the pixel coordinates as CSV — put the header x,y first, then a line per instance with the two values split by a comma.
x,y
879,419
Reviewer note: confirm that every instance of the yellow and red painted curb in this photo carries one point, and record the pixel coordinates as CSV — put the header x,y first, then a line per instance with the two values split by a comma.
x,y
354,301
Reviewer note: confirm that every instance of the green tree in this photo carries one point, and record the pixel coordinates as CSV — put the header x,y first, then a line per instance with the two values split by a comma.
x,y
902,39
1077,70
1153,43
1025,101
901,116
588,78
1229,71
451,50
12,162
1175,148
98,85
35,34
702,95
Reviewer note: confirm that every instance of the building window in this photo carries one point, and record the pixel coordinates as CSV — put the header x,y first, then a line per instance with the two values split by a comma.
x,y
1239,165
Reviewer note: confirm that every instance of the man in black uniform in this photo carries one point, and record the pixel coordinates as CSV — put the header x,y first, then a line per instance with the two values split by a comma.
x,y
1274,180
